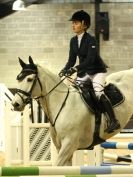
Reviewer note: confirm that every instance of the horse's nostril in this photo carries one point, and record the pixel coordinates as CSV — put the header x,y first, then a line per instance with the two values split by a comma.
x,y
16,105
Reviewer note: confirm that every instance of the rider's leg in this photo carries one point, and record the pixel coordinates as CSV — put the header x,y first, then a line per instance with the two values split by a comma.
x,y
82,80
114,124
86,86
98,84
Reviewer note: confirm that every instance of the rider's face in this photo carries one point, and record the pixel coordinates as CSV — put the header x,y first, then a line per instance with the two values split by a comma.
x,y
78,27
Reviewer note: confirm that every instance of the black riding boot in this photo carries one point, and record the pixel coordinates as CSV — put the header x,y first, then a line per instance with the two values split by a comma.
x,y
114,124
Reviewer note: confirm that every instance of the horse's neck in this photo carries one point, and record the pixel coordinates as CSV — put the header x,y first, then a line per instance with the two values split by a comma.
x,y
55,99
49,80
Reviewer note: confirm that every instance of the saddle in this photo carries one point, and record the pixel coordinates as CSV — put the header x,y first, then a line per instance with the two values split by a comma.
x,y
87,93
111,91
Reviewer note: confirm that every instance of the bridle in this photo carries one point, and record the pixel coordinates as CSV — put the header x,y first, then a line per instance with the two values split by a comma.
x,y
28,95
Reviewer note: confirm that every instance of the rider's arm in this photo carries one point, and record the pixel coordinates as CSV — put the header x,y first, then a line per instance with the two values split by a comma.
x,y
72,56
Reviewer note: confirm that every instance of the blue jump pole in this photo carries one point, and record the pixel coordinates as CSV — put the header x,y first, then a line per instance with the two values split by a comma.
x,y
117,145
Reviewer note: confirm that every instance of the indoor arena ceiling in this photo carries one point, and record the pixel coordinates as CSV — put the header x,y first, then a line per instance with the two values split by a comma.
x,y
6,6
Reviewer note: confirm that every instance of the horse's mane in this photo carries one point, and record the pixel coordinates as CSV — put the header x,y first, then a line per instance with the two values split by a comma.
x,y
52,76
47,71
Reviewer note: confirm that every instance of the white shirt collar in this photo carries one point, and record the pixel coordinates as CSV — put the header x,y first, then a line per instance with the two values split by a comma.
x,y
80,38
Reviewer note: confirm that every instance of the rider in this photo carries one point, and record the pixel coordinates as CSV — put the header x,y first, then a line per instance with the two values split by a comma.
x,y
91,66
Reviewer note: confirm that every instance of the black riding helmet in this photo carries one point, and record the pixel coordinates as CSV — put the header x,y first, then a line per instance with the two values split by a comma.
x,y
80,16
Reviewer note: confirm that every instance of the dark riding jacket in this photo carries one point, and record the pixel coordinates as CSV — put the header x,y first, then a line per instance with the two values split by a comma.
x,y
89,60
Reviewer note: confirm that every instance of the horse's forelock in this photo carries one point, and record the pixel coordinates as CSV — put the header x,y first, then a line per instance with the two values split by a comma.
x,y
25,73
20,76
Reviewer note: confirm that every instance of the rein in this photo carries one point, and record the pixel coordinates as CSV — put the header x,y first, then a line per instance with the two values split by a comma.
x,y
63,104
51,89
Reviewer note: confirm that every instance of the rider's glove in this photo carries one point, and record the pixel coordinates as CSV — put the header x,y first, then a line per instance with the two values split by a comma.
x,y
70,71
62,73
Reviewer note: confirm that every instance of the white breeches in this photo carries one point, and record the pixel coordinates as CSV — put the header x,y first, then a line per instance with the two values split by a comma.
x,y
98,82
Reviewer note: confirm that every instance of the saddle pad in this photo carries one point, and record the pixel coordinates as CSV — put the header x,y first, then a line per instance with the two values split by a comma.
x,y
114,94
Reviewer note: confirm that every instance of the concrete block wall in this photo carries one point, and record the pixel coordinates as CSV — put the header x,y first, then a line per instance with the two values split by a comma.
x,y
43,31
118,51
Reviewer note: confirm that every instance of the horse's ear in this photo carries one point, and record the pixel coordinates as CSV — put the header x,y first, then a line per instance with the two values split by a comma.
x,y
22,63
31,60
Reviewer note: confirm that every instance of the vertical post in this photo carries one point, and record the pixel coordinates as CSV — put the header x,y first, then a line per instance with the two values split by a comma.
x,y
97,35
8,139
26,143
39,113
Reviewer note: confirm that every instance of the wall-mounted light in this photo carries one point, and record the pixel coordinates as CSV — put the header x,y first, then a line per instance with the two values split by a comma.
x,y
18,5
103,24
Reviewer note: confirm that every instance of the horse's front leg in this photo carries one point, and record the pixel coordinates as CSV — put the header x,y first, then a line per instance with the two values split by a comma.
x,y
65,155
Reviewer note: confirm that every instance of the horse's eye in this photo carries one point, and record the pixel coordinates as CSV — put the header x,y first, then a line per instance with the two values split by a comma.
x,y
29,80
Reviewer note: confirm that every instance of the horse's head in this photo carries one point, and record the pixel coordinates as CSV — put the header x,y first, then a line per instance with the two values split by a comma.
x,y
27,85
